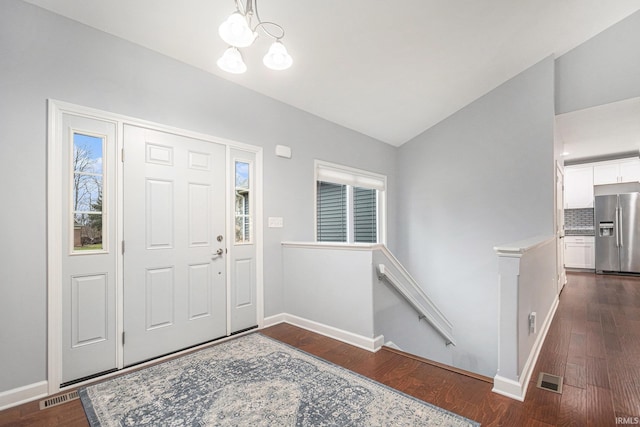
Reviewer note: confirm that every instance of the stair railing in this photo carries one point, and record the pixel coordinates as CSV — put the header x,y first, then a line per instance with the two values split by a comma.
x,y
415,296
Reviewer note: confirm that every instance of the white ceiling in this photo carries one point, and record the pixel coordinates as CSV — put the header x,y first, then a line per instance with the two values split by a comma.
x,y
386,69
600,131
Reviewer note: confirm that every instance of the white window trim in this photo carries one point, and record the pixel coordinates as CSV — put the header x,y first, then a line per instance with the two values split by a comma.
x,y
340,174
251,201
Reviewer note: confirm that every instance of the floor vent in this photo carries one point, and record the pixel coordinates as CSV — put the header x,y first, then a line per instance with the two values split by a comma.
x,y
58,400
550,382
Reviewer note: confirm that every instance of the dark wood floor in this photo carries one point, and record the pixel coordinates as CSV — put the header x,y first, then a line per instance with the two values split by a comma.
x,y
594,342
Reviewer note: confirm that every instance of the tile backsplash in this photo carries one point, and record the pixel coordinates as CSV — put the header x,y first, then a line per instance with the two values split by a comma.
x,y
579,220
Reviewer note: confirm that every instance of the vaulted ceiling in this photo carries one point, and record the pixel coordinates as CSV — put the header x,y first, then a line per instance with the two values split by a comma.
x,y
386,69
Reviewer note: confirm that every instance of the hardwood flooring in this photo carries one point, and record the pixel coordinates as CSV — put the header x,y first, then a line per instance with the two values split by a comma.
x,y
593,341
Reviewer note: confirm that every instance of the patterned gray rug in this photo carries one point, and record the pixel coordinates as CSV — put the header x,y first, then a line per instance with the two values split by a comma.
x,y
254,381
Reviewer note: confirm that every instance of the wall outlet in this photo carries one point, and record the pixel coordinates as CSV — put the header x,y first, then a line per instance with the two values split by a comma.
x,y
275,222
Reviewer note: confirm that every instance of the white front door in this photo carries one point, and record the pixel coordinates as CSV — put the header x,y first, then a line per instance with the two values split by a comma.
x,y
175,243
88,246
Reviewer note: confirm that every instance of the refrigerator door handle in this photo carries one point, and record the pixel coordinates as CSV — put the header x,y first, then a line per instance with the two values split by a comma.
x,y
617,227
620,226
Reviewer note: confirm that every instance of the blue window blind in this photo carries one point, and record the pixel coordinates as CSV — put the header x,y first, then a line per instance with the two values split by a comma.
x,y
332,212
364,215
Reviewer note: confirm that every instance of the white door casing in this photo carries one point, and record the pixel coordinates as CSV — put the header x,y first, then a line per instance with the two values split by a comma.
x,y
175,243
561,272
56,211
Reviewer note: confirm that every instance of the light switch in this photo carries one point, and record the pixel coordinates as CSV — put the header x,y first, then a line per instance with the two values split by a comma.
x,y
275,222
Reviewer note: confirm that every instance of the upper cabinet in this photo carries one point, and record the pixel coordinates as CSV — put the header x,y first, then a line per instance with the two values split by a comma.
x,y
614,172
578,187
580,179
630,170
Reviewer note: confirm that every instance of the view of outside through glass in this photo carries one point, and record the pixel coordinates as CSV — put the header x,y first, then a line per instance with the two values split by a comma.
x,y
243,214
87,192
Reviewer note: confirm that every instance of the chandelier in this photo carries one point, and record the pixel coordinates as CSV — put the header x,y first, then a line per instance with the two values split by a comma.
x,y
237,32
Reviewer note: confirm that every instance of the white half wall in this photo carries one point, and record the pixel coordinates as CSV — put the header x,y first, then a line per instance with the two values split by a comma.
x,y
330,285
527,285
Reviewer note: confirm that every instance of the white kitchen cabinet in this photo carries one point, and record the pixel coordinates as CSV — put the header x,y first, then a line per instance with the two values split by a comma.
x,y
579,252
578,187
630,170
607,173
614,172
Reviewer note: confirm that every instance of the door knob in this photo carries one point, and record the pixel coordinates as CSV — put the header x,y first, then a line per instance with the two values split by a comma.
x,y
217,253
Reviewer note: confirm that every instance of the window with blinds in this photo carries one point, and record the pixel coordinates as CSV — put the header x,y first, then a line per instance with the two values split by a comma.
x,y
347,204
332,212
365,215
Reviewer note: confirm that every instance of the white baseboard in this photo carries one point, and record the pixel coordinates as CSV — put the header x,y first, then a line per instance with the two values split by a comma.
x,y
370,344
24,394
518,389
273,320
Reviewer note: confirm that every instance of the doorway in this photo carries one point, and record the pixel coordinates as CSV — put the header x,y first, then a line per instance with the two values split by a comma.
x,y
145,263
561,271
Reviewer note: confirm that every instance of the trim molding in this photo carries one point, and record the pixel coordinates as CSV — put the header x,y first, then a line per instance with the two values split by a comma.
x,y
446,367
24,394
369,344
518,389
332,246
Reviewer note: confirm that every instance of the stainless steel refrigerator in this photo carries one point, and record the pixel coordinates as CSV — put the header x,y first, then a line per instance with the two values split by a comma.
x,y
618,233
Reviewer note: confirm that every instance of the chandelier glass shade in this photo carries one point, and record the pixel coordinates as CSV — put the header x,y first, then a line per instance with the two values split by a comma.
x,y
231,61
277,58
237,32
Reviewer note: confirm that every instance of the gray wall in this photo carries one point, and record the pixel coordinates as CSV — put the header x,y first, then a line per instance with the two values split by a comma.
x,y
46,56
480,178
602,70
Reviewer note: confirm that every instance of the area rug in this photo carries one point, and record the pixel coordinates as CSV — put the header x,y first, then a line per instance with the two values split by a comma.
x,y
254,381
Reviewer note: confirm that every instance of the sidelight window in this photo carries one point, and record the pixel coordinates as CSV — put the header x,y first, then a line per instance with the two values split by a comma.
x,y
87,192
242,202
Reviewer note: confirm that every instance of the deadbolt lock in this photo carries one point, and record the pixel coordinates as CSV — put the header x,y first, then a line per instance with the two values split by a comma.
x,y
219,238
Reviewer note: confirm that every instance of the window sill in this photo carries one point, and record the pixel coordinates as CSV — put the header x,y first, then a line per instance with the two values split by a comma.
x,y
333,245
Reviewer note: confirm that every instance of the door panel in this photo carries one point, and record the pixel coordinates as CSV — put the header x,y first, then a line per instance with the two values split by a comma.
x,y
199,215
607,254
159,297
199,292
88,245
174,205
90,305
159,213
